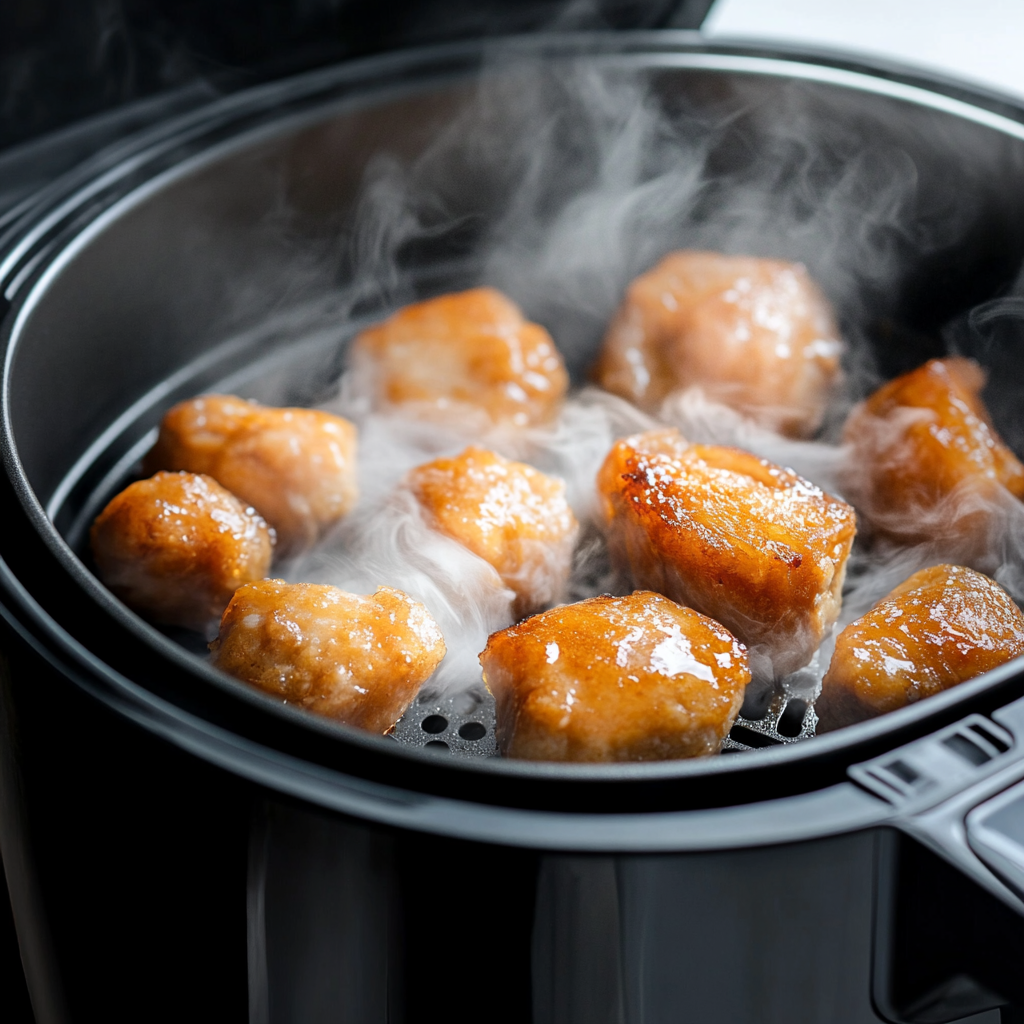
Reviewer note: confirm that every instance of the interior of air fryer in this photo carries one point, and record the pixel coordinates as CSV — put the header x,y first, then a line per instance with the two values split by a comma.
x,y
558,185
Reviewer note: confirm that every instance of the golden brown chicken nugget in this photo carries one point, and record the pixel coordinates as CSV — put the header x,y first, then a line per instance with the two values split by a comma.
x,y
296,467
635,678
942,626
755,334
175,548
747,542
509,514
464,352
922,441
360,660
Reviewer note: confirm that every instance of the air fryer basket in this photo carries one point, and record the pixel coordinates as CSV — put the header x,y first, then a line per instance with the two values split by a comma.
x,y
240,248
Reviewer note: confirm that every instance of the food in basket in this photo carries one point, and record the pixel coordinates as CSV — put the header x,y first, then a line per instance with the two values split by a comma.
x,y
509,514
468,357
734,536
925,458
755,334
940,627
296,467
175,548
357,659
635,678
734,543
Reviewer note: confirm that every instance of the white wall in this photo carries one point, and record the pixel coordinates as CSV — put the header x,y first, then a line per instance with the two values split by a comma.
x,y
977,40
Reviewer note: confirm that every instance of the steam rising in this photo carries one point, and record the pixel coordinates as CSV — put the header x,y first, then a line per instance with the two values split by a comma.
x,y
558,182
876,565
388,541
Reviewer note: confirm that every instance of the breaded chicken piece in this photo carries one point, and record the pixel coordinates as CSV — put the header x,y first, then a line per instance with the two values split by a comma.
x,y
925,456
942,626
296,467
635,678
360,660
755,334
509,514
469,354
175,548
747,542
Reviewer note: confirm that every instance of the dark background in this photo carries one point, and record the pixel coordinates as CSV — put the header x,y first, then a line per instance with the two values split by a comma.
x,y
63,60
74,74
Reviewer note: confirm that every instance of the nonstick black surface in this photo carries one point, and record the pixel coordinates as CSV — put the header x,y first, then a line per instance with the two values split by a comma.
x,y
177,277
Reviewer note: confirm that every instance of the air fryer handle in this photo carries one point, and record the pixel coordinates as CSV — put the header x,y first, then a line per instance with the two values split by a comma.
x,y
949,938
965,797
995,832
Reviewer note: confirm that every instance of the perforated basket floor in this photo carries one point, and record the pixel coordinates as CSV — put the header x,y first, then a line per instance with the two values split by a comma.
x,y
463,725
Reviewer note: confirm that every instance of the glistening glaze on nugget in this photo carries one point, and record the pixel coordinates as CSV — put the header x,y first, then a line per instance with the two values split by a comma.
x,y
925,460
755,334
175,548
509,514
734,536
635,678
940,627
466,356
296,467
360,660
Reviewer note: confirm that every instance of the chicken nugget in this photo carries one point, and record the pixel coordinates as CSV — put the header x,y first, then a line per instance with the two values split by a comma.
x,y
940,627
360,660
925,459
469,355
749,543
509,514
296,467
755,334
175,548
635,678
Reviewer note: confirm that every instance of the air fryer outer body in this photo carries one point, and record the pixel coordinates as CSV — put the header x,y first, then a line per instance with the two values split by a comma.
x,y
145,877
177,846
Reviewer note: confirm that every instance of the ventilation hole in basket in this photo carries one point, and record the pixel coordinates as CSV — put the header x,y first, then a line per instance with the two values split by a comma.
x,y
438,746
741,734
731,750
434,723
472,731
791,721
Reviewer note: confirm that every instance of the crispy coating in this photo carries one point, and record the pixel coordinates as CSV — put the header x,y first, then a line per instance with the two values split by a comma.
x,y
471,354
635,678
925,456
509,514
755,334
941,627
747,542
175,548
296,467
357,659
